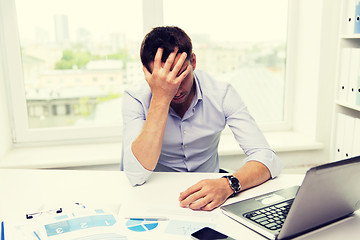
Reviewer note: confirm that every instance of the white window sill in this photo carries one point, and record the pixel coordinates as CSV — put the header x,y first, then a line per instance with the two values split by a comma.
x,y
64,156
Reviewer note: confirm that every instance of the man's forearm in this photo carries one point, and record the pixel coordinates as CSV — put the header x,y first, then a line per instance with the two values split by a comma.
x,y
253,173
147,146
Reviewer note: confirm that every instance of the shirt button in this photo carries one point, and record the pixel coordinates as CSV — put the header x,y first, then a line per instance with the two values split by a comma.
x,y
184,132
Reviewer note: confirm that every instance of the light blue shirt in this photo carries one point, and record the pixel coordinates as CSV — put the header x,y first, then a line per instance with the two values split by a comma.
x,y
191,143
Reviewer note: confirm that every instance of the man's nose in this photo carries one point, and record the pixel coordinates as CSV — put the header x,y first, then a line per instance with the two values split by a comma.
x,y
178,93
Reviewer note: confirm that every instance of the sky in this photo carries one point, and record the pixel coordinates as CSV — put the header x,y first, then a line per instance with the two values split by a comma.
x,y
99,17
231,20
227,20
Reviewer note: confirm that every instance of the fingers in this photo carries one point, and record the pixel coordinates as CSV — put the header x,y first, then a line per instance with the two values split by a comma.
x,y
170,60
157,59
199,201
205,195
194,197
195,200
179,63
166,68
183,75
210,206
188,192
201,204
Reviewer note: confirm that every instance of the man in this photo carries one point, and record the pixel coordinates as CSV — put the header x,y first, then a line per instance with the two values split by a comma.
x,y
174,123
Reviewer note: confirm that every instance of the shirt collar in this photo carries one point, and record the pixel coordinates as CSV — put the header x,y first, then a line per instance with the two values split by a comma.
x,y
198,93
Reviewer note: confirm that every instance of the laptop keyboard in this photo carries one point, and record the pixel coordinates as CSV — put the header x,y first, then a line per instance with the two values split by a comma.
x,y
271,217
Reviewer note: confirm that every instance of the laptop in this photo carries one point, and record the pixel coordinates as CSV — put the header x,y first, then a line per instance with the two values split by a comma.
x,y
328,193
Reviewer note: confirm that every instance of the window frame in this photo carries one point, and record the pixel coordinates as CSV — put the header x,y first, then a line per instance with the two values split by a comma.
x,y
13,75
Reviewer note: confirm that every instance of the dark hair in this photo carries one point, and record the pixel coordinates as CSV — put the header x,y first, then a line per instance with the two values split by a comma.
x,y
167,38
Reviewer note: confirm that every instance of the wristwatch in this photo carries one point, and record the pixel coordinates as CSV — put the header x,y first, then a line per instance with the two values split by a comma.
x,y
234,184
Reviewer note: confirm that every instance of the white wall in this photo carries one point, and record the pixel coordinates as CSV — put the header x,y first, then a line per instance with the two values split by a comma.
x,y
316,67
327,74
317,34
5,133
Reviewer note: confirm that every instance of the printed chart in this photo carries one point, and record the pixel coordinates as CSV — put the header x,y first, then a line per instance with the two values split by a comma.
x,y
141,225
79,223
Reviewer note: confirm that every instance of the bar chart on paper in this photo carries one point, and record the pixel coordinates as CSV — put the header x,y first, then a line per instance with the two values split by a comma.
x,y
141,225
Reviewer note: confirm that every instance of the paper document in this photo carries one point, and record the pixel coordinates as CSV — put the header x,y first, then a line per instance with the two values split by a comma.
x,y
163,222
72,224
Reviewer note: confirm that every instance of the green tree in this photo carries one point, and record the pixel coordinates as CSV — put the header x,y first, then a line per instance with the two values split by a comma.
x,y
79,58
70,58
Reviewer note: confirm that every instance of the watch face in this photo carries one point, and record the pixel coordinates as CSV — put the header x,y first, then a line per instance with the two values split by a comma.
x,y
235,184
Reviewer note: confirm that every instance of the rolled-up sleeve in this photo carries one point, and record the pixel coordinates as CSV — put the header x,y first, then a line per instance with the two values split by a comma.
x,y
247,133
134,118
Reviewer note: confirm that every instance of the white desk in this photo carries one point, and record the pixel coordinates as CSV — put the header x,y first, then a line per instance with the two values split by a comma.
x,y
27,190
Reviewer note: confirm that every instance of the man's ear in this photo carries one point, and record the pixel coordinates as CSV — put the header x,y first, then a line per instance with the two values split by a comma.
x,y
193,61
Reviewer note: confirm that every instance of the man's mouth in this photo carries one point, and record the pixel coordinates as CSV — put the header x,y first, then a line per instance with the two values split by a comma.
x,y
176,98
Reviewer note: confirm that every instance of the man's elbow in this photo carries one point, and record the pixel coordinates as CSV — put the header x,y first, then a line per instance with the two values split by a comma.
x,y
137,178
135,181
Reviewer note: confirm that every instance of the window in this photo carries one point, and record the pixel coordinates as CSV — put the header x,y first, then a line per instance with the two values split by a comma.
x,y
242,42
68,65
64,52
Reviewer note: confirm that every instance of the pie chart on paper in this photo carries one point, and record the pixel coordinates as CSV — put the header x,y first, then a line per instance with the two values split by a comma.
x,y
141,225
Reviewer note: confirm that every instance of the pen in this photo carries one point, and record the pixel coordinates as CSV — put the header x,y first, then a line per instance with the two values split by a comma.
x,y
2,231
148,218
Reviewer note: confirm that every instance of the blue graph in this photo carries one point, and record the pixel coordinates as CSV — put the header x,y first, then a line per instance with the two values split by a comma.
x,y
141,225
79,223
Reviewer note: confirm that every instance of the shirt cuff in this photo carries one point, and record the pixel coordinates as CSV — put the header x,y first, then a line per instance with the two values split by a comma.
x,y
269,159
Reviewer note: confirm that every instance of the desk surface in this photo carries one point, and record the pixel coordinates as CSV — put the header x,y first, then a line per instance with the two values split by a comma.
x,y
29,190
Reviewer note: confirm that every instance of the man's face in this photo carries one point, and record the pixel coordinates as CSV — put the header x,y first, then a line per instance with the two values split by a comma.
x,y
184,94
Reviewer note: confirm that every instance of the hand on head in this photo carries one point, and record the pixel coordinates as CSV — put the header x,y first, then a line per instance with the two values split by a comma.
x,y
164,80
